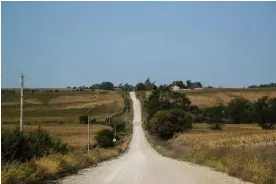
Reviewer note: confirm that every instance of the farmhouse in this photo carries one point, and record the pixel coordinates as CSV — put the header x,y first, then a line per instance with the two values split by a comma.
x,y
175,88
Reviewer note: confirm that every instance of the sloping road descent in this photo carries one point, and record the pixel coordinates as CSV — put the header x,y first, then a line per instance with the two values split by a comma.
x,y
143,165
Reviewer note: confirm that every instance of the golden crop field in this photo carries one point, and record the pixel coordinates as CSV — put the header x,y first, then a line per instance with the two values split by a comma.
x,y
232,136
209,97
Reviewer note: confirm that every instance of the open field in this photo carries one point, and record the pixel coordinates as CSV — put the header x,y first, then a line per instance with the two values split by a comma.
x,y
209,97
73,134
245,151
53,166
243,135
61,107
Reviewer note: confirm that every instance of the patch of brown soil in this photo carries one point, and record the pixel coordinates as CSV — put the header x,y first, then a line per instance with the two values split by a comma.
x,y
10,103
202,101
71,99
32,101
30,119
90,104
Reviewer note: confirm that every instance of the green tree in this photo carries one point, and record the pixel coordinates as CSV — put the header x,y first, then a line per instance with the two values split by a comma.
x,y
239,110
167,123
266,112
188,83
140,87
214,116
180,100
153,103
107,86
150,85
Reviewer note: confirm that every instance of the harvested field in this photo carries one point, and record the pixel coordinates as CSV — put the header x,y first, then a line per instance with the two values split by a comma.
x,y
64,106
209,97
74,135
245,151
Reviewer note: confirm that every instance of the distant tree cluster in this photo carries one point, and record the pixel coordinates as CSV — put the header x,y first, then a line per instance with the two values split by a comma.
x,y
188,85
7,91
170,112
126,87
147,85
271,85
240,110
103,86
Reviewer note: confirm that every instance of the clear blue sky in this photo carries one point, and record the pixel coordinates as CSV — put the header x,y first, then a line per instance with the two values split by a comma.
x,y
55,44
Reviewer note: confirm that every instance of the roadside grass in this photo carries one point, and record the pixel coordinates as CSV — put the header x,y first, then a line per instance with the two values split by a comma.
x,y
234,150
55,166
61,107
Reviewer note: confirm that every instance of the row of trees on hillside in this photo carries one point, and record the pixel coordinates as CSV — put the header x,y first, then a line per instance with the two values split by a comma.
x,y
271,85
240,110
170,112
189,84
105,86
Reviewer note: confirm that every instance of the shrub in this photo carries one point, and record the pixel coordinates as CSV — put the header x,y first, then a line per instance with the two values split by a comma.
x,y
19,173
93,120
42,144
83,119
121,127
50,165
105,137
167,123
266,112
20,147
15,147
239,110
214,116
56,90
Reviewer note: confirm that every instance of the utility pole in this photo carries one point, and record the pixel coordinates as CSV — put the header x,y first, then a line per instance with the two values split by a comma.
x,y
88,131
114,139
21,103
114,130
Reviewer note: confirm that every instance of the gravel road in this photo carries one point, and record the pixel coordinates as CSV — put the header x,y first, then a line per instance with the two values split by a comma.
x,y
143,165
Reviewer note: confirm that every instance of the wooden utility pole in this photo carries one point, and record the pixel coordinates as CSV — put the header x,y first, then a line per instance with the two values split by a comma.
x,y
88,131
21,103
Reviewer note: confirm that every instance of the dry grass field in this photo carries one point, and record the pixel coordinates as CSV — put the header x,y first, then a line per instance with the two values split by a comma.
x,y
58,113
73,134
233,135
209,97
64,106
245,151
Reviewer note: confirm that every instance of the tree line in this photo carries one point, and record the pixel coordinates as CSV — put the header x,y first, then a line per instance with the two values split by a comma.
x,y
105,86
149,85
170,112
271,85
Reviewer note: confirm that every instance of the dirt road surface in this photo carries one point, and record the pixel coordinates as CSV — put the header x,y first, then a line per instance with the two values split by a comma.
x,y
143,165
